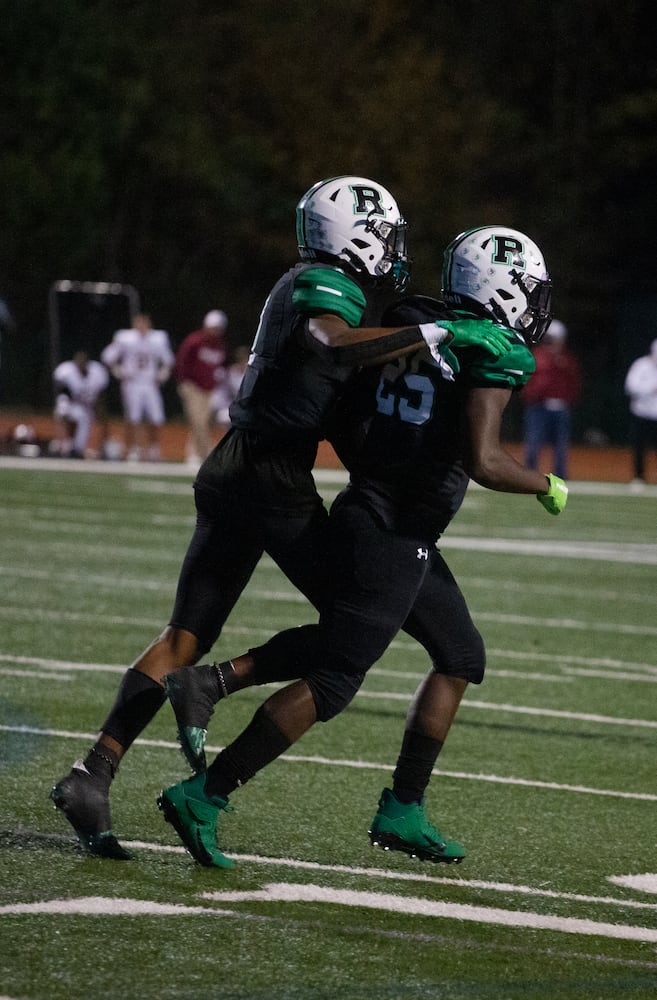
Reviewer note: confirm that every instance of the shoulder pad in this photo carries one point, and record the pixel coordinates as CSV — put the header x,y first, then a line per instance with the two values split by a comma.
x,y
413,310
512,370
328,290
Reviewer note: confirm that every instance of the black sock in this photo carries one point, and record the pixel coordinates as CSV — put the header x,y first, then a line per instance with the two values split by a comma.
x,y
139,699
255,747
414,766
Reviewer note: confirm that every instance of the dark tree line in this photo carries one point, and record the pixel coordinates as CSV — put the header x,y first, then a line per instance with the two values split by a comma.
x,y
165,145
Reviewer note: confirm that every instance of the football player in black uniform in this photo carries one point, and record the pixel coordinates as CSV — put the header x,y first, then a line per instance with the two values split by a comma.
x,y
411,434
255,493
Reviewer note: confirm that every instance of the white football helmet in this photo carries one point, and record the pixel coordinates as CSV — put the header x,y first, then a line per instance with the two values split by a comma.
x,y
357,222
503,272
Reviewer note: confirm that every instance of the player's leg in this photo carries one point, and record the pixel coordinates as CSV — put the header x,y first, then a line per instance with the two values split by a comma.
x,y
361,623
441,622
153,414
131,416
298,545
652,436
64,427
219,561
367,603
295,537
197,407
194,806
82,417
643,438
83,794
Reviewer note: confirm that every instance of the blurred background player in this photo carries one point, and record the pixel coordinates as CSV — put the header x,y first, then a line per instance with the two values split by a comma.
x,y
78,385
141,359
641,387
549,398
200,372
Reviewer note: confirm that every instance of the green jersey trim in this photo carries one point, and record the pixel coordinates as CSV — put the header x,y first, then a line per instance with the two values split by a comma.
x,y
328,290
512,370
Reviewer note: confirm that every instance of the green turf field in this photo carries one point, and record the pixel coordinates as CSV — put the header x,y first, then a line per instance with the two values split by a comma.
x,y
548,777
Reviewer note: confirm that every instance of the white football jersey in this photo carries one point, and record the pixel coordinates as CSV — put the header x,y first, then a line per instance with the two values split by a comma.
x,y
139,356
83,389
641,387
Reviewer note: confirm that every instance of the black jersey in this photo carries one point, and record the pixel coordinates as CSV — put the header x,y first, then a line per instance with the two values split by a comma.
x,y
401,429
289,388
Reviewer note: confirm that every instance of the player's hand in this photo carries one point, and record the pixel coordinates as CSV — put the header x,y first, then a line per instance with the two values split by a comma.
x,y
477,333
555,497
443,335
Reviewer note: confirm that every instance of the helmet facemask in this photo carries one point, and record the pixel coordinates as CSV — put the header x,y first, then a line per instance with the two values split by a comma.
x,y
537,316
395,260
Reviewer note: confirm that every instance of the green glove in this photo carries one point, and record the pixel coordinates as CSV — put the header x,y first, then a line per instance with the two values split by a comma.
x,y
442,335
477,333
555,497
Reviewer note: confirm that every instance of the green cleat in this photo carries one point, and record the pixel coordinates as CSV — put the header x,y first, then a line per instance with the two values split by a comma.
x,y
194,815
401,827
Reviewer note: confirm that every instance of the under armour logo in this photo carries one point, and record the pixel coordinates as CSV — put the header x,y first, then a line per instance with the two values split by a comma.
x,y
423,553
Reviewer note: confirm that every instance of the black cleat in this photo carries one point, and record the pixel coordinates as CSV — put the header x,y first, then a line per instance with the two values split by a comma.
x,y
85,803
193,693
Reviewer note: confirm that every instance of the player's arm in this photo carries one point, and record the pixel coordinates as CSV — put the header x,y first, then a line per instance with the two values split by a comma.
x,y
112,358
334,305
488,461
363,345
163,374
375,345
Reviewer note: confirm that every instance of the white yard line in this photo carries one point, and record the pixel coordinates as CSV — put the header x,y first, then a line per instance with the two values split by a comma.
x,y
300,893
357,765
21,613
628,552
81,578
547,713
510,654
63,665
285,892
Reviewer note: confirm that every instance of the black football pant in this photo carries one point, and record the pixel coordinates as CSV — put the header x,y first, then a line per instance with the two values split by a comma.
x,y
379,582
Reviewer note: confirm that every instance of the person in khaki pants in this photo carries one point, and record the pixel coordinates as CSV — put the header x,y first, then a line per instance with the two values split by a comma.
x,y
200,370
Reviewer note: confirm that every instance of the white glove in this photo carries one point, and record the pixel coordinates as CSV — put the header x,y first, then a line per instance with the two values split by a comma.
x,y
434,335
